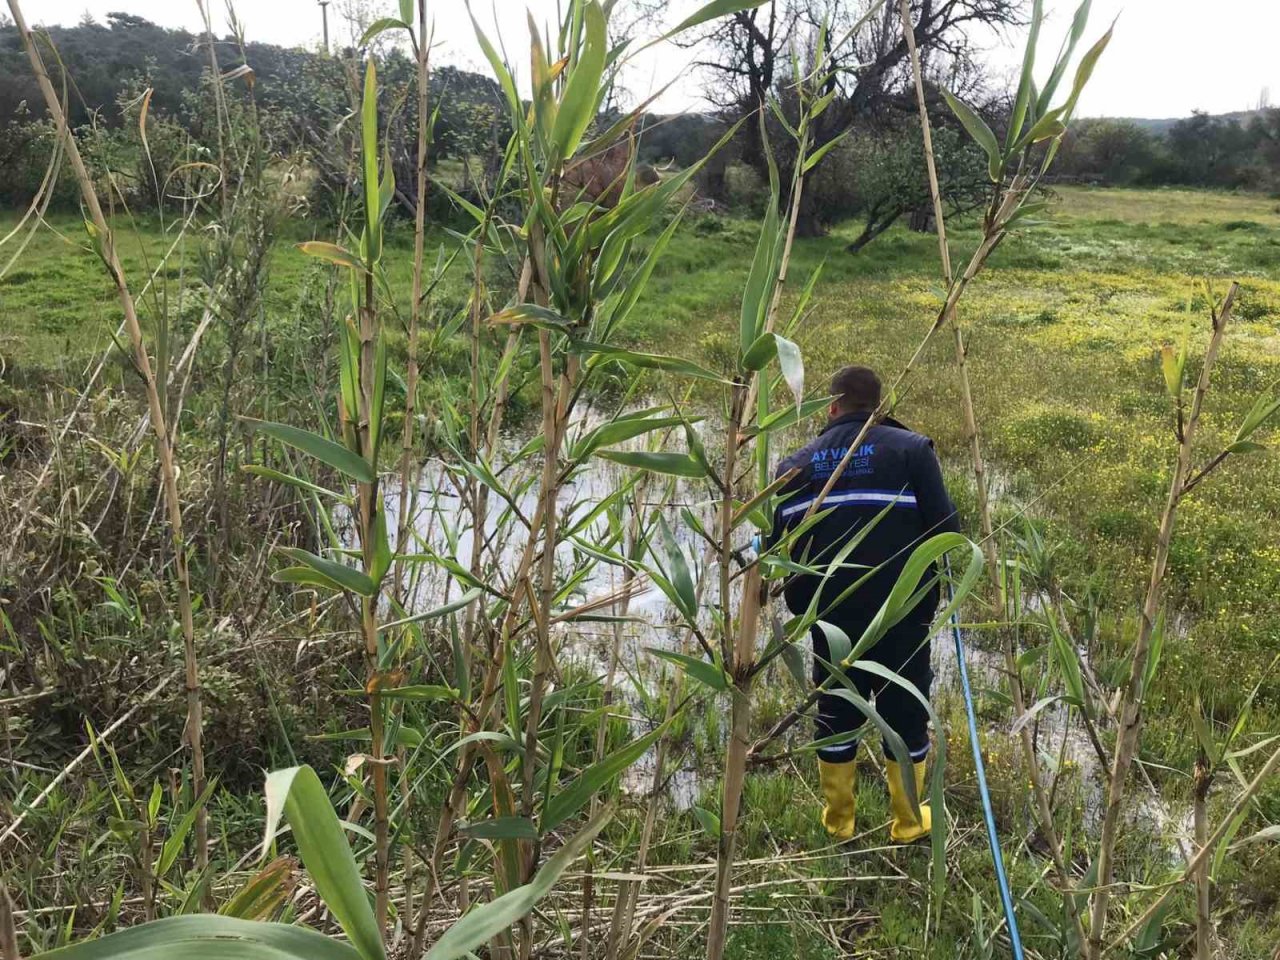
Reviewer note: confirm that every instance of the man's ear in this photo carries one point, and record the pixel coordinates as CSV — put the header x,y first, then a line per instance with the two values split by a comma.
x,y
833,410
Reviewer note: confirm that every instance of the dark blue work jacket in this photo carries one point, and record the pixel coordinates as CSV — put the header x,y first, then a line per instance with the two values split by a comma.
x,y
893,467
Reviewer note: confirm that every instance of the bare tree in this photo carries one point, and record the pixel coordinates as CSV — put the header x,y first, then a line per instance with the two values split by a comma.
x,y
749,56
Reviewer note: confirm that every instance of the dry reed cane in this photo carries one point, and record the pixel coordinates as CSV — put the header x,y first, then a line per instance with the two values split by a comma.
x,y
1130,712
1030,761
164,449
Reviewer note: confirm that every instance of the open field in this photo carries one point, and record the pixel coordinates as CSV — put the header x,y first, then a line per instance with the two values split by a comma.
x,y
1064,330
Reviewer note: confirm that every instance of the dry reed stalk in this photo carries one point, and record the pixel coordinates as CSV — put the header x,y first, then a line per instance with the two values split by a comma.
x,y
1202,855
735,767
1202,777
422,50
368,506
622,921
1130,712
8,927
164,449
219,104
1029,758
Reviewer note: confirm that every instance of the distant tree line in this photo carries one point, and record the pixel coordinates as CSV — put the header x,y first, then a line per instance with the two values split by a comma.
x,y
305,100
874,173
1231,152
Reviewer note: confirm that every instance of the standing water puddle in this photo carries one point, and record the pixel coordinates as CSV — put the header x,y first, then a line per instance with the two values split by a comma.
x,y
442,527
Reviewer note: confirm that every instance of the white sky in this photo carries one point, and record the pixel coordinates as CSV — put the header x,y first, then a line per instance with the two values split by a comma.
x,y
1167,57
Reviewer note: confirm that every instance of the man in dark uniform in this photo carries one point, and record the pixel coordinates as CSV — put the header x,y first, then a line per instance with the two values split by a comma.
x,y
896,469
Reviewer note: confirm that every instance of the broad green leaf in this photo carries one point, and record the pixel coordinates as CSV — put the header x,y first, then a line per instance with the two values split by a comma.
x,y
1068,662
578,792
381,547
297,793
617,431
1045,128
922,561
532,314
1078,24
979,131
794,659
178,835
307,577
264,894
677,568
1085,71
500,828
383,25
708,674
578,104
465,600
333,253
258,470
369,163
1245,446
709,821
847,690
760,353
326,451
758,292
1026,82
839,646
545,107
499,69
420,691
672,464
1263,409
349,577
711,11
649,361
484,922
208,936
786,416
815,158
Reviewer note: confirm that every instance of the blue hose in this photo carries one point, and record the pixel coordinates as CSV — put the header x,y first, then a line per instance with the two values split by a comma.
x,y
993,840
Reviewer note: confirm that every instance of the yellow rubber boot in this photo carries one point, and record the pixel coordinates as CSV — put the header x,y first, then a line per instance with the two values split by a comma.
x,y
839,783
907,826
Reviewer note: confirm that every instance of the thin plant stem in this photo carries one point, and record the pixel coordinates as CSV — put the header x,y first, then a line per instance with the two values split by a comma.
x,y
735,767
1206,849
368,507
164,448
1130,710
407,472
1202,778
1030,760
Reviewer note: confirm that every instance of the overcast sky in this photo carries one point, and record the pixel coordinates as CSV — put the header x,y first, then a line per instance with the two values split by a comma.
x,y
1168,57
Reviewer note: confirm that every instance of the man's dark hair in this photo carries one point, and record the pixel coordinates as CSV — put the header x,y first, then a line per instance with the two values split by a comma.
x,y
856,389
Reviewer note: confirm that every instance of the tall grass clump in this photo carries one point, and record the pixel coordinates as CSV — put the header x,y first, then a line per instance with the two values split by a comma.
x,y
1031,142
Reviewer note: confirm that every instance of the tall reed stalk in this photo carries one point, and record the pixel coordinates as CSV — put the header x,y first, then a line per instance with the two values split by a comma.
x,y
1129,714
104,244
990,547
421,42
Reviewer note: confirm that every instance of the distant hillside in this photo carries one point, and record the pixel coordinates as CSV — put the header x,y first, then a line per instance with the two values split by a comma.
x,y
1161,125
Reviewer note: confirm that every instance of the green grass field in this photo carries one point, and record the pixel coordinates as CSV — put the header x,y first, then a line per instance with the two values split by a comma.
x,y
1064,330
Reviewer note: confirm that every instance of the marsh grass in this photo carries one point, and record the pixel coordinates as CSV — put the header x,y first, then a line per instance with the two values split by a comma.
x,y
1069,398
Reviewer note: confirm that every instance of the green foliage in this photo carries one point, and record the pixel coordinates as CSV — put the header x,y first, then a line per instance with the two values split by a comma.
x,y
207,937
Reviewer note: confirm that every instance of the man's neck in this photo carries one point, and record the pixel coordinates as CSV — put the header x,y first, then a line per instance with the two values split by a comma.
x,y
849,416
